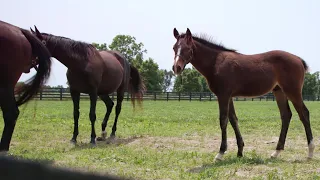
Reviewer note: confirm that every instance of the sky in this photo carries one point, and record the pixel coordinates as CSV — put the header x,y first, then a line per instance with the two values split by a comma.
x,y
249,26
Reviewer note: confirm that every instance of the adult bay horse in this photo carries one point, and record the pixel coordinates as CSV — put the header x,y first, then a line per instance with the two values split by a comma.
x,y
18,47
230,74
97,73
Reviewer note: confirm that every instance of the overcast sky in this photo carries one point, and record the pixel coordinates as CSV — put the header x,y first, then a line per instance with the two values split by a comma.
x,y
250,26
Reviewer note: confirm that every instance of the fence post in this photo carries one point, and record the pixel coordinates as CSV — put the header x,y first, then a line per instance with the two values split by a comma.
x,y
61,94
210,96
40,94
128,96
200,96
189,96
179,96
167,96
155,96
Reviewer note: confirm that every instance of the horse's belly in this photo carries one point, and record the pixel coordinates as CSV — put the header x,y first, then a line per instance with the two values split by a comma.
x,y
110,83
255,87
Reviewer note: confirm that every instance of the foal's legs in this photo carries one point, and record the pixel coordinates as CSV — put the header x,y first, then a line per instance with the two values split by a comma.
x,y
10,113
305,119
234,123
109,105
286,115
92,116
75,95
224,110
120,96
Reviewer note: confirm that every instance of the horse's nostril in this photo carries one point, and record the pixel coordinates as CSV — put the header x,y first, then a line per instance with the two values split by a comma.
x,y
178,69
173,68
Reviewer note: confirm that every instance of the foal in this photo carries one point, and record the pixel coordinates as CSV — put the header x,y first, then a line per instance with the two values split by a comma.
x,y
230,74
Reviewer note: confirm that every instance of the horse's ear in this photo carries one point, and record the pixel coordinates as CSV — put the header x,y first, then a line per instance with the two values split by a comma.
x,y
37,31
175,33
32,30
188,35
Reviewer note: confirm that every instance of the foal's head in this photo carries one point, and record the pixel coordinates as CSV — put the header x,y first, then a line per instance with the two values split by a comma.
x,y
183,50
39,35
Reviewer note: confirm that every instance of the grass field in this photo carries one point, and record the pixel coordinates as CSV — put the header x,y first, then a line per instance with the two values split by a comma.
x,y
169,140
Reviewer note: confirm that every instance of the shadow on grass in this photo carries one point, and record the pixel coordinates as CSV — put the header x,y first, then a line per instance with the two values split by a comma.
x,y
107,143
251,159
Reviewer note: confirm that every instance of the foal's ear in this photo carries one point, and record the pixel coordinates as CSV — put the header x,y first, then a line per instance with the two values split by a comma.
x,y
188,35
175,33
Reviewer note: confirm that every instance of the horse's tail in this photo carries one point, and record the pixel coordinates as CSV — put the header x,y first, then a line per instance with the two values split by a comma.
x,y
136,86
305,65
33,85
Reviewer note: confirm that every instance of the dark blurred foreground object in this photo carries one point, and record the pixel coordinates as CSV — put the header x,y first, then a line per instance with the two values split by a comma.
x,y
14,168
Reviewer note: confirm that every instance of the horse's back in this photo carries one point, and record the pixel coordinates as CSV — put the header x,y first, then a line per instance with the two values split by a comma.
x,y
113,73
15,53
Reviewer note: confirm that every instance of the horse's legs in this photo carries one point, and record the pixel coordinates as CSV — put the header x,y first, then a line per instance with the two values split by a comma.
x,y
109,105
234,123
224,110
286,115
75,95
92,116
10,113
120,96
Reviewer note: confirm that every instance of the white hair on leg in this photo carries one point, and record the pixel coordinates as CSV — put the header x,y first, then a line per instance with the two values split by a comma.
x,y
311,147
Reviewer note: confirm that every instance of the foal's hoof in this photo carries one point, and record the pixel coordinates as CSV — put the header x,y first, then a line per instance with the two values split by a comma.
x,y
275,154
219,157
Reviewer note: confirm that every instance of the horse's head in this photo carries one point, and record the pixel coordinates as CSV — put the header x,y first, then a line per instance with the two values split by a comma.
x,y
183,50
39,35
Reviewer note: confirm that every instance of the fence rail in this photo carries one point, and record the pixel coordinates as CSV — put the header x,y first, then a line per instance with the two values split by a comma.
x,y
64,94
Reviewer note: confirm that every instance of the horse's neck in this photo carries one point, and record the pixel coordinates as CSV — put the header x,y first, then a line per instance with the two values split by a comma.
x,y
62,56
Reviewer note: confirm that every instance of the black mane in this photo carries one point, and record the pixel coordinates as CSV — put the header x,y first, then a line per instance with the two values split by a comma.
x,y
209,42
74,49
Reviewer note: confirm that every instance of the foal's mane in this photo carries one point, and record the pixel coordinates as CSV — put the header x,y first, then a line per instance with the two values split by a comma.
x,y
208,41
74,49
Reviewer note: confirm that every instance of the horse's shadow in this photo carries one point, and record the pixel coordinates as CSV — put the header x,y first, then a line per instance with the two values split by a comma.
x,y
115,141
253,160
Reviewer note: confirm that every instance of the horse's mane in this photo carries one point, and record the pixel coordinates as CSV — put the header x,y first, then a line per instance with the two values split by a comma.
x,y
208,41
74,49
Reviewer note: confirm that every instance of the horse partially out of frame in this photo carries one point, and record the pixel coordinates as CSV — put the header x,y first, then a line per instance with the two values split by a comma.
x,y
18,49
97,73
230,74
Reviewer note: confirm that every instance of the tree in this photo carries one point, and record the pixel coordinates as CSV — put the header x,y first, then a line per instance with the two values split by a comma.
x,y
100,47
153,77
311,85
190,81
128,46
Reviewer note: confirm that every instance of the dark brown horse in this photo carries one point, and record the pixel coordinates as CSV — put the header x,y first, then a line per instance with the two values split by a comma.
x,y
230,74
97,73
18,47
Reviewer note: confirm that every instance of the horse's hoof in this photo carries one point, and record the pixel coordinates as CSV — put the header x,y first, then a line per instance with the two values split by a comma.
x,y
4,153
101,138
73,141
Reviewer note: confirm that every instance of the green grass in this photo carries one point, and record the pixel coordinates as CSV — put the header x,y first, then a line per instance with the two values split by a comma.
x,y
169,140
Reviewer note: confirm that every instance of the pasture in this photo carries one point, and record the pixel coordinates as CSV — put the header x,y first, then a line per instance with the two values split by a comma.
x,y
169,140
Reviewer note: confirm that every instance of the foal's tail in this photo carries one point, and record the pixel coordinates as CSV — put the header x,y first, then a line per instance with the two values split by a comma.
x,y
33,85
136,86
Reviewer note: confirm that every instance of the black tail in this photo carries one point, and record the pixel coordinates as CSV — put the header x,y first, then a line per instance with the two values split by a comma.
x,y
305,65
33,85
136,86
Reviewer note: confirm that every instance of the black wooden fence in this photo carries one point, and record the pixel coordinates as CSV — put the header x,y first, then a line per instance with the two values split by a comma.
x,y
64,94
